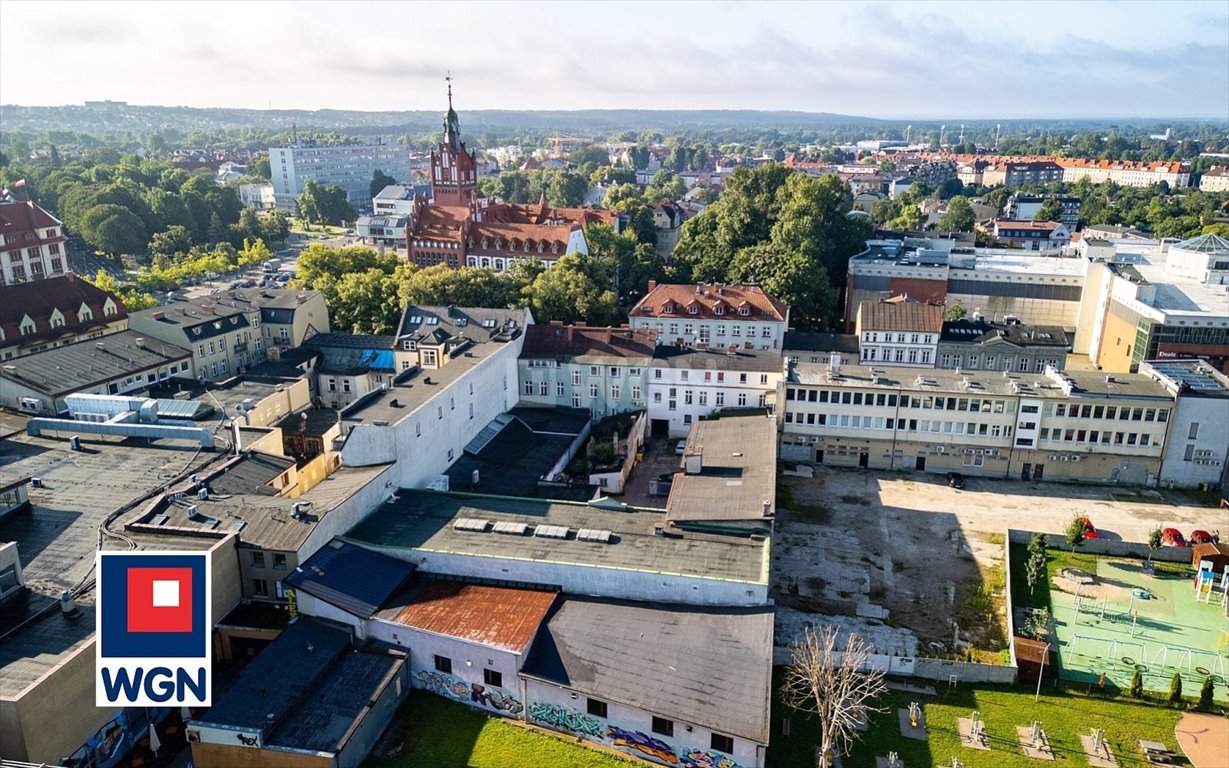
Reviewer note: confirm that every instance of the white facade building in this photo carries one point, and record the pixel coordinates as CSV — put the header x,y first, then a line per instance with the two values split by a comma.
x,y
349,167
713,316
1197,447
686,385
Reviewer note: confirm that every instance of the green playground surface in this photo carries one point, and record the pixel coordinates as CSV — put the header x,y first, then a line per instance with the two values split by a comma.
x,y
1106,625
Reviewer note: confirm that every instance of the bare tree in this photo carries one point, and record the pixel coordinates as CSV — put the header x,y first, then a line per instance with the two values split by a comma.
x,y
837,685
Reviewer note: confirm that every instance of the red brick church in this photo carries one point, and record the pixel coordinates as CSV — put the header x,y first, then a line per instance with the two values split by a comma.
x,y
459,229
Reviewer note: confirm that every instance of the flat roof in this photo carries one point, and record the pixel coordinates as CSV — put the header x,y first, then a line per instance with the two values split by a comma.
x,y
739,465
952,382
1193,377
225,395
259,520
705,666
1176,294
717,359
355,579
425,520
83,364
307,690
58,536
501,617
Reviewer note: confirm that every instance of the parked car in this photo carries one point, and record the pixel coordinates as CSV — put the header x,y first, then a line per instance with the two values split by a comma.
x,y
1203,537
955,480
681,448
1090,530
1172,537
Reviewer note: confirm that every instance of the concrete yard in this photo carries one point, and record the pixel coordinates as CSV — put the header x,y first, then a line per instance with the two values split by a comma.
x,y
907,551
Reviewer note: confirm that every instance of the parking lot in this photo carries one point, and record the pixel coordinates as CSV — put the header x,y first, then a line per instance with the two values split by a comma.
x,y
855,543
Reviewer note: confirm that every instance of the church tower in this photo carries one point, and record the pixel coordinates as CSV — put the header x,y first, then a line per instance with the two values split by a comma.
x,y
454,170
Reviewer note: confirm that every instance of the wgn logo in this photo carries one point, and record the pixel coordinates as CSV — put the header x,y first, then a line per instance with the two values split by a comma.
x,y
153,645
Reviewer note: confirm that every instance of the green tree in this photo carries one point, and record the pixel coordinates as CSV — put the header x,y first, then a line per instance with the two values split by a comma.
x,y
959,216
113,229
380,180
218,232
665,185
1175,689
1221,230
175,239
275,226
630,264
589,153
1075,531
1050,210
365,302
464,287
1156,538
910,219
955,312
260,167
1137,685
571,293
566,189
134,300
1205,695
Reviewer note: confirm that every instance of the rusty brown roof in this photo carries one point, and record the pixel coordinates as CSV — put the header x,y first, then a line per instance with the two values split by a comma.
x,y
580,340
900,316
502,617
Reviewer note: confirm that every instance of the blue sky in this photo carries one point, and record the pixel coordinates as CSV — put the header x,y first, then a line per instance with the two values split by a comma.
x,y
920,60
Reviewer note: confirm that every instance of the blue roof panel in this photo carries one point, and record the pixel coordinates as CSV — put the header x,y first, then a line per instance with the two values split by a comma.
x,y
354,579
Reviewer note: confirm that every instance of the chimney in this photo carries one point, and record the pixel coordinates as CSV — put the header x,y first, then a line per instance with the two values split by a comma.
x,y
693,462
208,308
652,285
302,297
19,191
140,342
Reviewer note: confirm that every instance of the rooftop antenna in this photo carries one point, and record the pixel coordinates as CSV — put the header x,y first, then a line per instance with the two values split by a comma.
x,y
961,134
942,129
908,130
448,78
997,128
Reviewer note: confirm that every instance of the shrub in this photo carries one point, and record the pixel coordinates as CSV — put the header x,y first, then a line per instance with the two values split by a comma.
x,y
1175,689
1137,685
1205,694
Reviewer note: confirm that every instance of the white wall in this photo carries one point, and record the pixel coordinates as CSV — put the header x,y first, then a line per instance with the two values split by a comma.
x,y
420,442
466,682
310,605
553,706
706,396
1207,450
622,583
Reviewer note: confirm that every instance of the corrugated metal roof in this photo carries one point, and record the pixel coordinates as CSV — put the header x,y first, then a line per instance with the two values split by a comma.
x,y
354,579
501,617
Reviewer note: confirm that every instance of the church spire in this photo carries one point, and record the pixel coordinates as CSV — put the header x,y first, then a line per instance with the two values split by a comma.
x,y
452,124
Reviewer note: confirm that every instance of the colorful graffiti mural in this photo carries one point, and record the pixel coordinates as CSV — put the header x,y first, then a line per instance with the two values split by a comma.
x,y
495,699
444,685
696,758
562,718
647,746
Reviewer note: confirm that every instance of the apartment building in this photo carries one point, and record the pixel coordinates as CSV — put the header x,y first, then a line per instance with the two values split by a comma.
x,y
1215,179
712,315
1054,425
899,331
602,369
686,385
1197,448
977,344
233,331
1022,207
990,170
351,365
31,240
349,167
1031,235
50,313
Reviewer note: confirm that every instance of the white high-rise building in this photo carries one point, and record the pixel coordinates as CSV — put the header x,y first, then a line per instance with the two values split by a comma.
x,y
350,167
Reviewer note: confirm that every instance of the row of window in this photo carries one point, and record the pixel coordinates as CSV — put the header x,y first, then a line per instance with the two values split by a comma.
x,y
36,270
1111,412
594,707
853,421
702,397
258,560
31,235
914,338
884,399
1105,437
896,355
543,390
718,376
694,309
690,330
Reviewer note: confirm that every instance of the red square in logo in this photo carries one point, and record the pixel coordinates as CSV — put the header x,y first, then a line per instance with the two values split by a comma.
x,y
159,599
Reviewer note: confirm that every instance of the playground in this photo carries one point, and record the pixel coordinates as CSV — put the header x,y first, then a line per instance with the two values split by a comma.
x,y
1130,615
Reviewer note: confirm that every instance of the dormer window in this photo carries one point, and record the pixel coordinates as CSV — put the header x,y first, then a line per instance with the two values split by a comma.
x,y
668,309
719,310
694,309
27,326
744,311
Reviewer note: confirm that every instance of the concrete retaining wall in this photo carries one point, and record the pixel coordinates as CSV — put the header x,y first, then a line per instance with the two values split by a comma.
x,y
1107,547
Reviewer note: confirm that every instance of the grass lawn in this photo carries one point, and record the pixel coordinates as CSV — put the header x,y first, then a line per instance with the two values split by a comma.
x,y
1064,716
444,734
299,227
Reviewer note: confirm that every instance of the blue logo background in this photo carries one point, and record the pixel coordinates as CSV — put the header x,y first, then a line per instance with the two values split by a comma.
x,y
117,641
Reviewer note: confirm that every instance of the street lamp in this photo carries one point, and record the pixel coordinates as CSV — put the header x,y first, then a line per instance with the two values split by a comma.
x,y
1041,674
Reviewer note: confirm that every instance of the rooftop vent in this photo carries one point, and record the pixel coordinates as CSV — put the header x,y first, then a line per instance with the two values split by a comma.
x,y
551,532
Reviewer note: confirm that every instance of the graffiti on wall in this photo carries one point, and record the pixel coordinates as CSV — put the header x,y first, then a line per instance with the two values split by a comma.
x,y
495,699
562,718
647,746
444,685
696,758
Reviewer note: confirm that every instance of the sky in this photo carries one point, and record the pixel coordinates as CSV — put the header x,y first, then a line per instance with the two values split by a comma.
x,y
903,60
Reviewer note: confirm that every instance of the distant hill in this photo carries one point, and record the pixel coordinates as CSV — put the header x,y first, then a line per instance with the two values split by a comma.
x,y
112,117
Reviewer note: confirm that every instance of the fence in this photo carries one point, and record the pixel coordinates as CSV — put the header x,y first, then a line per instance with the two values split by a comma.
x,y
1107,547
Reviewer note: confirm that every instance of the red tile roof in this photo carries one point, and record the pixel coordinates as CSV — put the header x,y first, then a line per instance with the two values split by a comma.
x,y
501,617
900,316
18,217
39,298
674,300
577,340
